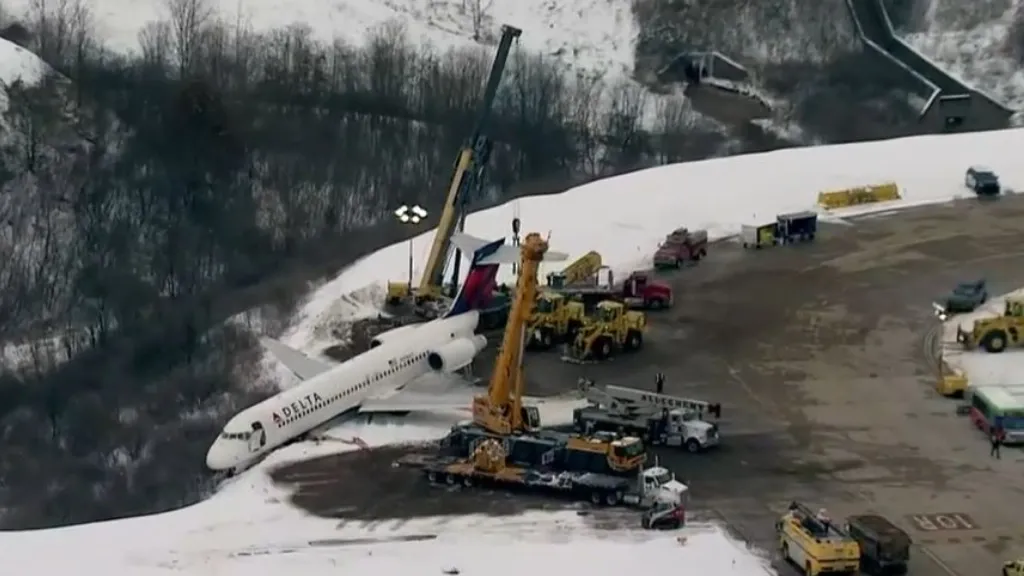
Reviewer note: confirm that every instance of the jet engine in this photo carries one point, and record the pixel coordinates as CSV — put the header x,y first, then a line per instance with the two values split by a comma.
x,y
389,335
456,354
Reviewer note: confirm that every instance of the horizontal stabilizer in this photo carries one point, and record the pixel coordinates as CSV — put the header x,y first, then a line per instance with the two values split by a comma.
x,y
502,255
298,363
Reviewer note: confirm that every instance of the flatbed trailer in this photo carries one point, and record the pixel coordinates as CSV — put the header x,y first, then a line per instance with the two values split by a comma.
x,y
651,486
552,450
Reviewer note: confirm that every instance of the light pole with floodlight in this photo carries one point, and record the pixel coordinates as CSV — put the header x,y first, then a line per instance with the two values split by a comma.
x,y
410,215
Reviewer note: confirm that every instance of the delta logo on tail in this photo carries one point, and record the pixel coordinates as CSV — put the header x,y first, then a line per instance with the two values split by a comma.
x,y
480,283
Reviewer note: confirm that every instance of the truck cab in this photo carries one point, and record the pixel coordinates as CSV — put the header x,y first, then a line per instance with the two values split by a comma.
x,y
680,427
681,246
667,499
639,291
1013,567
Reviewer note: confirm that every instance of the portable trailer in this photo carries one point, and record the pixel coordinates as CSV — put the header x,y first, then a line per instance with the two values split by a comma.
x,y
786,229
758,235
796,227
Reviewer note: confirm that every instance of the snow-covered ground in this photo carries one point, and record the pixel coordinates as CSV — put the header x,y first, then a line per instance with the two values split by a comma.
x,y
624,218
977,55
248,529
16,63
591,35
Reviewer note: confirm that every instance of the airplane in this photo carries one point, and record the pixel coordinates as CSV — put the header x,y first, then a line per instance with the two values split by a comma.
x,y
409,368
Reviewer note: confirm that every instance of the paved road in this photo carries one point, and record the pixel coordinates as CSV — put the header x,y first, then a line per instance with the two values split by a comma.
x,y
819,354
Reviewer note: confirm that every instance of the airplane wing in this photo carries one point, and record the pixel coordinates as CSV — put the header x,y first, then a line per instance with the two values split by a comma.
x,y
301,365
433,391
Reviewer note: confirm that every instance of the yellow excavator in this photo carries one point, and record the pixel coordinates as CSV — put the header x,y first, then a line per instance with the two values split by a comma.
x,y
468,172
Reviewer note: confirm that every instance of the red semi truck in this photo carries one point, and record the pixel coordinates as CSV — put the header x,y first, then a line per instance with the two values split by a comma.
x,y
680,247
638,291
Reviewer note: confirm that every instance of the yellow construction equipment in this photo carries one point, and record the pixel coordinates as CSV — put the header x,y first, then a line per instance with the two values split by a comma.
x,y
611,329
815,544
468,169
584,269
500,411
999,333
555,319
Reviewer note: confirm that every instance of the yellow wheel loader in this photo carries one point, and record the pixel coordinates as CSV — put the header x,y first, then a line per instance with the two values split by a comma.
x,y
612,329
555,319
996,334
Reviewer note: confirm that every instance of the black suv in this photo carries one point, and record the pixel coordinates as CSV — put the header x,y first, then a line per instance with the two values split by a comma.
x,y
982,181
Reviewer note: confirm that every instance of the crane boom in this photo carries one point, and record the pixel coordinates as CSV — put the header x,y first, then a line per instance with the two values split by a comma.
x,y
455,201
500,410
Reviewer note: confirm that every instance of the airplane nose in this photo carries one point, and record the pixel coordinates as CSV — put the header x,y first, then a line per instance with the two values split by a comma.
x,y
219,457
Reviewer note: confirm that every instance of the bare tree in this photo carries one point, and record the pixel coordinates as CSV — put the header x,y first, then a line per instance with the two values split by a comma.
x,y
189,19
479,15
1014,43
155,42
60,29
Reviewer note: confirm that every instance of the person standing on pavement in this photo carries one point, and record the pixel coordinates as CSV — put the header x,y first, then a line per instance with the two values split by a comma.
x,y
996,440
659,383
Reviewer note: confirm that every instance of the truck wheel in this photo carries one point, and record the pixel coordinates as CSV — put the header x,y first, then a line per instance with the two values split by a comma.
x,y
450,479
692,446
994,341
467,481
602,348
595,497
545,339
612,498
634,341
432,476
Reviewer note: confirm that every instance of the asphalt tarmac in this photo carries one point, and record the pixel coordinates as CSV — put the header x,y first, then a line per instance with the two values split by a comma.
x,y
821,356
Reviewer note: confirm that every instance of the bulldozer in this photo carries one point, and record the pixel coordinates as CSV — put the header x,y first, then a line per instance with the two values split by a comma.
x,y
555,319
996,334
613,328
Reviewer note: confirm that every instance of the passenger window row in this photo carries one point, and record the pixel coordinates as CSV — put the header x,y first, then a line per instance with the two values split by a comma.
x,y
395,367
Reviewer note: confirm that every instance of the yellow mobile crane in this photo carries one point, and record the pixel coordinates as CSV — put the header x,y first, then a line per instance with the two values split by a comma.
x,y
500,411
468,169
503,446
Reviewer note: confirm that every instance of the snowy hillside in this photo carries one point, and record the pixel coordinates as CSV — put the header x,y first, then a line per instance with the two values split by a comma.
x,y
977,53
596,36
247,529
17,64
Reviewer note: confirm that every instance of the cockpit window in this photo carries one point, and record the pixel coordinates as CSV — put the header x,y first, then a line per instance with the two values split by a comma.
x,y
235,435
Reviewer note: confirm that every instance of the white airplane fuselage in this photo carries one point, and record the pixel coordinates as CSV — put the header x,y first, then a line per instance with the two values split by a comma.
x,y
399,357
